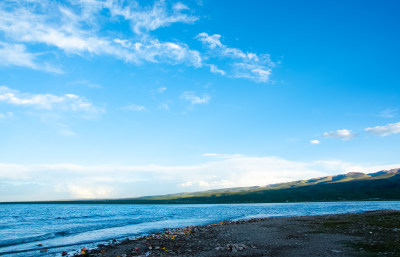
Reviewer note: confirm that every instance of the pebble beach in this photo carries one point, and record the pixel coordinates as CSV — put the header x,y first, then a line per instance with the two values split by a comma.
x,y
373,233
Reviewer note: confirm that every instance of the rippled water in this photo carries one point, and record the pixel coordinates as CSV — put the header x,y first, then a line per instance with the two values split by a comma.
x,y
70,227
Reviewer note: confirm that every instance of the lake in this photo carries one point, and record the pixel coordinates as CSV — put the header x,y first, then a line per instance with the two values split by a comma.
x,y
70,227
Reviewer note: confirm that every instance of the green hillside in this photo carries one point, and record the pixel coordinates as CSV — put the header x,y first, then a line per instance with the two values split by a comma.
x,y
353,186
383,185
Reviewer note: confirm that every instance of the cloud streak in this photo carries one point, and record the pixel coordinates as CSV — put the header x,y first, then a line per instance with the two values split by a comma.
x,y
74,28
135,108
343,134
17,55
194,99
244,65
66,102
393,128
77,27
148,19
66,181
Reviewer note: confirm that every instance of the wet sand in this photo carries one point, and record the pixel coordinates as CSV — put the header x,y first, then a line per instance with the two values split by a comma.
x,y
374,233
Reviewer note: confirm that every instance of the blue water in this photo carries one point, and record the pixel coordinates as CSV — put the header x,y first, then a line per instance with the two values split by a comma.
x,y
74,226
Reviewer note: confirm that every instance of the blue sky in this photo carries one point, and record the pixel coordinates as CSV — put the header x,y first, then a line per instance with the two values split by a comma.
x,y
106,98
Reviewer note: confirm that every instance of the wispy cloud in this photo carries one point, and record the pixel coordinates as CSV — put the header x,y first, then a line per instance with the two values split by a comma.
x,y
135,108
66,181
223,156
212,41
388,113
6,115
343,134
85,83
17,55
155,51
64,130
59,27
179,7
151,18
163,107
194,99
244,65
214,69
161,90
74,28
66,102
383,131
254,72
315,142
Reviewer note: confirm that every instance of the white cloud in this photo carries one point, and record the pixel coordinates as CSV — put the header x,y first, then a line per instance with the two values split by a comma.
x,y
194,99
253,72
58,27
314,142
149,19
173,53
135,108
161,90
85,83
163,106
64,130
208,184
75,30
212,41
214,69
223,156
383,131
179,7
82,192
343,134
388,113
16,55
211,154
65,181
6,115
244,65
66,102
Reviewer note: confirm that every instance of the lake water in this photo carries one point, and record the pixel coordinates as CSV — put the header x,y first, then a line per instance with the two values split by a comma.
x,y
71,227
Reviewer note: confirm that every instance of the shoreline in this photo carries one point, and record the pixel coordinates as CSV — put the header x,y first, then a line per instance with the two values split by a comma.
x,y
167,202
350,234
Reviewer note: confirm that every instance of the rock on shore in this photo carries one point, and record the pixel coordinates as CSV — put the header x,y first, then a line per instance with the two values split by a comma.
x,y
360,234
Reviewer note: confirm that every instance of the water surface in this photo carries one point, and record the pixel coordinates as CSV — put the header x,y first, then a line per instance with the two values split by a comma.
x,y
69,227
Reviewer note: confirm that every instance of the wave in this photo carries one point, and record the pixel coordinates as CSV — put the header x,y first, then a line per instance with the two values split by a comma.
x,y
11,242
76,230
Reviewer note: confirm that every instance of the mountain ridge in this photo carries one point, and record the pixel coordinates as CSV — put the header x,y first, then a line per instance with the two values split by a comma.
x,y
352,186
350,176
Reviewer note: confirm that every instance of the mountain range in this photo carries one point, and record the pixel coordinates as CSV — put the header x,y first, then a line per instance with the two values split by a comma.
x,y
353,186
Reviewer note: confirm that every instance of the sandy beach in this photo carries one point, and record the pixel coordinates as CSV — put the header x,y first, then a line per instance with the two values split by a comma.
x,y
375,233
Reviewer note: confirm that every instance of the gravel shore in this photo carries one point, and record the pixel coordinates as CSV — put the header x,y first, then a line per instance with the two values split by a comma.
x,y
375,233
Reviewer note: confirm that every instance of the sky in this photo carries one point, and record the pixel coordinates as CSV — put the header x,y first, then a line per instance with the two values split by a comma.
x,y
125,98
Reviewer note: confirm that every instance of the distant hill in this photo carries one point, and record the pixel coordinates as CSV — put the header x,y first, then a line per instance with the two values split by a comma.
x,y
353,186
382,185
